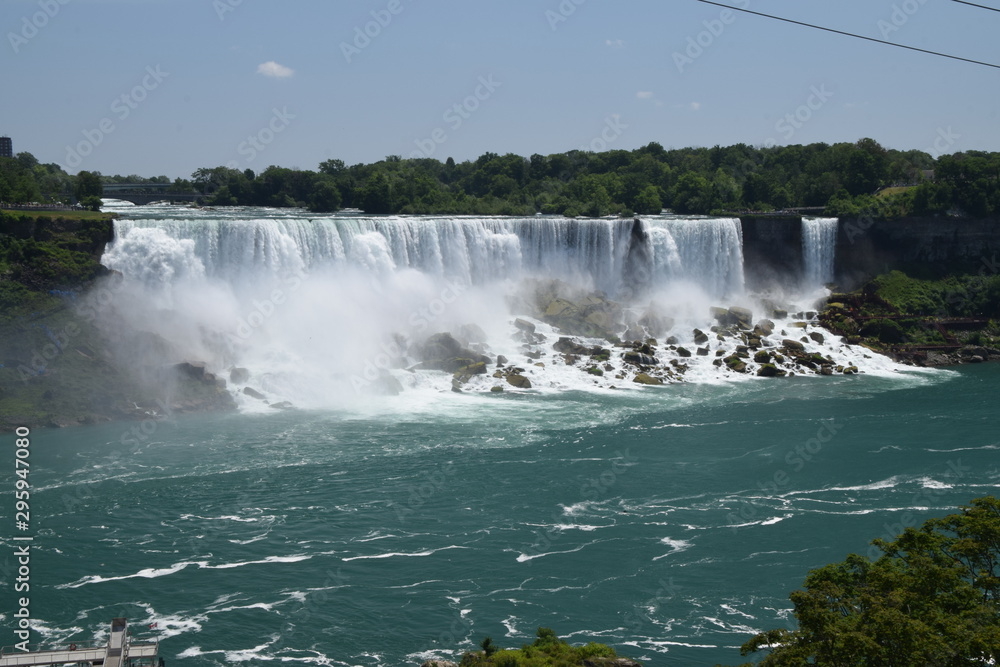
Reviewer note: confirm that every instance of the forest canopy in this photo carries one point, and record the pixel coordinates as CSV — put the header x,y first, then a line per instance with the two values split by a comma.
x,y
847,179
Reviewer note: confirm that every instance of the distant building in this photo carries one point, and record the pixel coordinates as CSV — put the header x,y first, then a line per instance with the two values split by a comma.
x,y
6,147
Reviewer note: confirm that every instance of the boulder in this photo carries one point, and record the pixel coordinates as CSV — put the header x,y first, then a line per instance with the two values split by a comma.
x,y
640,359
703,351
195,370
253,393
519,381
793,345
593,370
443,663
766,327
643,378
762,357
496,389
741,316
700,337
567,345
283,405
472,333
769,371
501,360
524,325
439,346
388,385
239,375
684,352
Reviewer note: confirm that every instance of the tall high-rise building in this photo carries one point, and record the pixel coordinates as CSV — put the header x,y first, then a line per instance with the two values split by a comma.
x,y
6,147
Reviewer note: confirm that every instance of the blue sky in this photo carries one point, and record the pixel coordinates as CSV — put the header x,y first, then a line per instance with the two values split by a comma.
x,y
166,86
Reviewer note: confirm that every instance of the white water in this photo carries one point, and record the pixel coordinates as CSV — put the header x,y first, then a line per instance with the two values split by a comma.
x,y
819,242
593,254
318,310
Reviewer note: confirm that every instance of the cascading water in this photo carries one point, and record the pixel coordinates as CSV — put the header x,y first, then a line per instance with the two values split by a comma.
x,y
320,310
472,251
819,242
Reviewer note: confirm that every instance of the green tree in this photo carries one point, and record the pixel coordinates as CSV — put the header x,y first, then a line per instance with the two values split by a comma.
x,y
376,196
932,598
648,202
88,184
325,197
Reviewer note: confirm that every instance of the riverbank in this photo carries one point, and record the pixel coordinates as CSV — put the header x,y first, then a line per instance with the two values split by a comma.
x,y
949,321
58,364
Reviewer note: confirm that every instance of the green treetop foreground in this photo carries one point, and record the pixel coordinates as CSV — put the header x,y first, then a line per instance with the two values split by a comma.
x,y
547,651
931,599
861,178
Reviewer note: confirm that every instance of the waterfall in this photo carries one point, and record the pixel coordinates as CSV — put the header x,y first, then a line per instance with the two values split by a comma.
x,y
819,243
470,251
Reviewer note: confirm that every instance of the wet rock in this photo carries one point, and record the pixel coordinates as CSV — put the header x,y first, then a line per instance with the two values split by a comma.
x,y
700,337
817,336
501,360
640,359
567,345
741,316
524,325
762,357
684,352
765,327
519,381
239,375
253,393
769,371
643,378
793,345
283,405
703,351
496,389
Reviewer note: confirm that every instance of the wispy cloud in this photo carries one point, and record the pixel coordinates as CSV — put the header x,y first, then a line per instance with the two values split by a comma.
x,y
695,106
644,95
274,70
614,43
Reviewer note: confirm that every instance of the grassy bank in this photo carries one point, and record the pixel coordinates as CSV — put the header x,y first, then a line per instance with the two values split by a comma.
x,y
929,322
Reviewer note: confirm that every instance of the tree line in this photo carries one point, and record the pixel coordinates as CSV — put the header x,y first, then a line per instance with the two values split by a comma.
x,y
845,178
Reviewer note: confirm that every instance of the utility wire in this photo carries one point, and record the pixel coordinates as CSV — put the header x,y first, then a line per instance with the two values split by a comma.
x,y
972,4
851,34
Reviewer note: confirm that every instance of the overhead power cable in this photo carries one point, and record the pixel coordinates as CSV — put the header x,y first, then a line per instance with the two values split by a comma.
x,y
972,4
851,34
